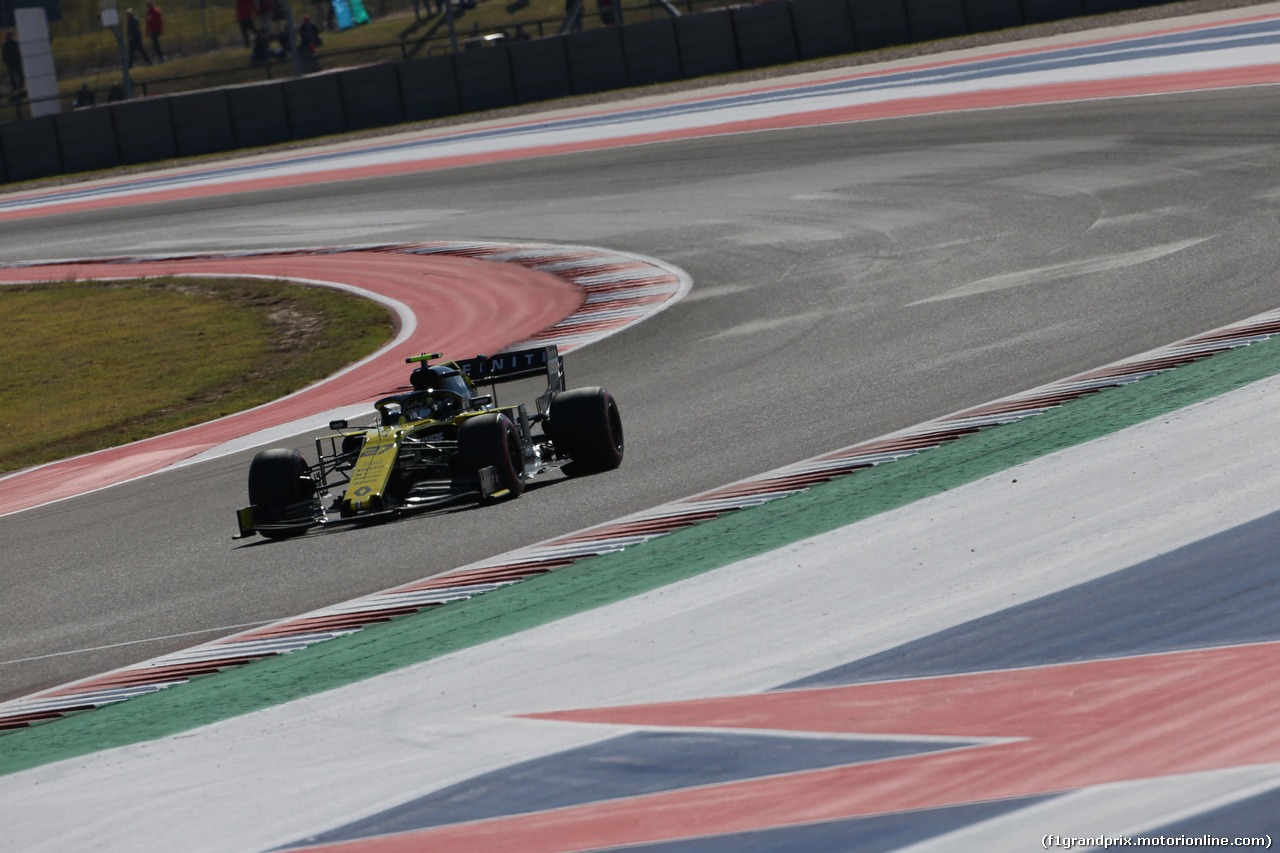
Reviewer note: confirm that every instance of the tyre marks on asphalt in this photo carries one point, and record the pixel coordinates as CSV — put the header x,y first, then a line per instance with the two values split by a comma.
x,y
510,568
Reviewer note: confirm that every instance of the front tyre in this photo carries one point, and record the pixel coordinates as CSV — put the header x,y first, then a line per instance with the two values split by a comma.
x,y
281,490
585,425
491,441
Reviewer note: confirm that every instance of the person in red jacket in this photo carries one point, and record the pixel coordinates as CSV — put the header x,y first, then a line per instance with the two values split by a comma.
x,y
155,26
246,13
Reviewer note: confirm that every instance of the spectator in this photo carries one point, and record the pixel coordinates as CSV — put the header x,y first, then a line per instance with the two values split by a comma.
x,y
245,12
261,46
84,97
573,14
155,26
605,8
134,31
13,59
308,40
308,36
283,35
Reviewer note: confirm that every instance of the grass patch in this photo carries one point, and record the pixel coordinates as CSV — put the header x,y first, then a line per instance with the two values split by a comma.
x,y
88,365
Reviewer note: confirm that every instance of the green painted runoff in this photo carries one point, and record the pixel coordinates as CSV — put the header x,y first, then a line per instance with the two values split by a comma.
x,y
609,578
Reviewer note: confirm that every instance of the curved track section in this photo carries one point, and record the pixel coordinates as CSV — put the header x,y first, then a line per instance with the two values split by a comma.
x,y
505,569
853,280
444,300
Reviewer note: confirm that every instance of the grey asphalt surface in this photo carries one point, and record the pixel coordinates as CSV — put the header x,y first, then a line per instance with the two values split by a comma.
x,y
848,281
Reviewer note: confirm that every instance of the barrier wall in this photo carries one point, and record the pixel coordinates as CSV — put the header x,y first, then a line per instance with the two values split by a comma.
x,y
540,70
822,28
371,96
654,51
86,140
596,60
428,88
314,105
144,130
202,122
763,34
706,44
935,19
880,23
484,79
30,148
986,15
651,52
1040,11
258,115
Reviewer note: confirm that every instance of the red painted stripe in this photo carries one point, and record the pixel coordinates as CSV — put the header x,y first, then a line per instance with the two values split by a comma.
x,y
23,720
150,675
656,280
664,524
496,574
1023,404
561,329
335,622
902,444
1238,332
1075,725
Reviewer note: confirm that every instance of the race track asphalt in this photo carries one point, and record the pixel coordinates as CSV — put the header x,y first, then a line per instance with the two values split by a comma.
x,y
848,281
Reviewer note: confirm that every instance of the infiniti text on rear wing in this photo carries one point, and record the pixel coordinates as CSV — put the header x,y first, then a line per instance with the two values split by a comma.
x,y
509,366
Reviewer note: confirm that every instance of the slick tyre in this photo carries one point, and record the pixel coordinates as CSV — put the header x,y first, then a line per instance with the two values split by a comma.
x,y
585,425
492,441
280,488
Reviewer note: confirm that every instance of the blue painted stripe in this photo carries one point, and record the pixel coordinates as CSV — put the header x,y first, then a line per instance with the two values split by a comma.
x,y
625,766
1223,590
877,834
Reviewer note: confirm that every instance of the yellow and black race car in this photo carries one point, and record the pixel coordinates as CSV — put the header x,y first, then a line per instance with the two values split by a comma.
x,y
443,441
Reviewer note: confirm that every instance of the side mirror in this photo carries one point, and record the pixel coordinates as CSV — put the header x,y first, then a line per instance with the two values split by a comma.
x,y
337,425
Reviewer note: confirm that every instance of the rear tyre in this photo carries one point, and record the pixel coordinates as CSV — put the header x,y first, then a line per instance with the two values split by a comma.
x,y
585,425
281,489
492,441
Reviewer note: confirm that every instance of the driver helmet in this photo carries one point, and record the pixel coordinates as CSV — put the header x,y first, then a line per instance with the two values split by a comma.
x,y
440,377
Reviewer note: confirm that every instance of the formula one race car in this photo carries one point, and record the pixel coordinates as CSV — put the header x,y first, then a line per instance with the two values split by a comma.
x,y
439,443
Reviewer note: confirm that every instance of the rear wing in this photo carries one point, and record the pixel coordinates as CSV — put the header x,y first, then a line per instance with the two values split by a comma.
x,y
510,366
